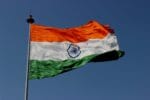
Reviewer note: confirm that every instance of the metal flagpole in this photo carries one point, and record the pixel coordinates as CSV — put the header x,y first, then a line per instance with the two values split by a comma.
x,y
30,20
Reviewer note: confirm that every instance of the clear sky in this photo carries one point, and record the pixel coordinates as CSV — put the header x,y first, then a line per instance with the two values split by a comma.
x,y
125,79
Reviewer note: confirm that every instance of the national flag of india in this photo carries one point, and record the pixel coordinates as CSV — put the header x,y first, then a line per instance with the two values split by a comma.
x,y
56,50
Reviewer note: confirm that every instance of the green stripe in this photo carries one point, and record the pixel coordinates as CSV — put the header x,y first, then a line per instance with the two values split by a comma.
x,y
50,68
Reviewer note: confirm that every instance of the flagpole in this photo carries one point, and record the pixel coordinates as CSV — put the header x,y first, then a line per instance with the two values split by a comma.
x,y
30,20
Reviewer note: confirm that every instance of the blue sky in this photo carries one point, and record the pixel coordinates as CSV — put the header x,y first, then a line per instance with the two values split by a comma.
x,y
125,79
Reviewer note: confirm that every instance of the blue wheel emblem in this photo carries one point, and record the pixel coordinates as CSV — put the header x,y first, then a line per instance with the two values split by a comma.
x,y
73,51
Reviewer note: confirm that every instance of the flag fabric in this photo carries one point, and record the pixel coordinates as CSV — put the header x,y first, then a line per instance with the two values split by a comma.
x,y
57,50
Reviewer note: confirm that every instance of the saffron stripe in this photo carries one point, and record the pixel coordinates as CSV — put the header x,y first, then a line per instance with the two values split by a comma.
x,y
92,30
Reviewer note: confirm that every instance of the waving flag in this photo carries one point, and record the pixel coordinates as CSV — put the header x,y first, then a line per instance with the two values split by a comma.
x,y
56,50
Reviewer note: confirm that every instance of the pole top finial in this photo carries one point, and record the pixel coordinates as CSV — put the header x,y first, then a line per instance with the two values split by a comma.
x,y
30,20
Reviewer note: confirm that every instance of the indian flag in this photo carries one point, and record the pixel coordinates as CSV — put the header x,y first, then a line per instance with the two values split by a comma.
x,y
57,50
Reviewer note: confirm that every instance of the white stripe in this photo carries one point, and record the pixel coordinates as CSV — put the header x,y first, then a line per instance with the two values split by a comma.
x,y
58,50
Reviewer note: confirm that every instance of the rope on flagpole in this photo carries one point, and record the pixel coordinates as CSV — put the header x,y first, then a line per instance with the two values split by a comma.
x,y
30,21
